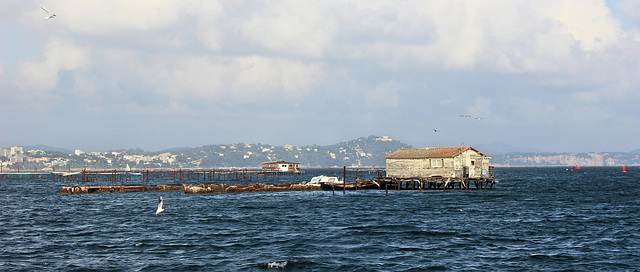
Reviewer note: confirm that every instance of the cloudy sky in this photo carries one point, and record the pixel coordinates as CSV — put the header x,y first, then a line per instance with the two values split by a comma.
x,y
555,76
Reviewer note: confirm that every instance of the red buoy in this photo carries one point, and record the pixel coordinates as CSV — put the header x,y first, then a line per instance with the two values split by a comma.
x,y
577,167
624,169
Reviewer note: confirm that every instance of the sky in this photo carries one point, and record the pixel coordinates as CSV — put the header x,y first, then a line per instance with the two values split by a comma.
x,y
553,76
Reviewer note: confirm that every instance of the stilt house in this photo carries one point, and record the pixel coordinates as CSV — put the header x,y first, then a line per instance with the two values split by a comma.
x,y
445,162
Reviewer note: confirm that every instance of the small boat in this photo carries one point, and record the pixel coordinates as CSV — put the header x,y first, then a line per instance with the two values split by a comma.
x,y
577,167
320,180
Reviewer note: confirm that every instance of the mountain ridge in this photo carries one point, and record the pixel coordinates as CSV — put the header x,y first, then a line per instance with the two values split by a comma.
x,y
361,152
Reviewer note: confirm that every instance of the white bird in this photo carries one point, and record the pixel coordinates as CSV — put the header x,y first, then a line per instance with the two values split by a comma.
x,y
49,14
479,118
160,209
465,116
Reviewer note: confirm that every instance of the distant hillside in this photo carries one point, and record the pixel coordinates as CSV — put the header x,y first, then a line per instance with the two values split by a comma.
x,y
566,159
46,148
361,152
501,148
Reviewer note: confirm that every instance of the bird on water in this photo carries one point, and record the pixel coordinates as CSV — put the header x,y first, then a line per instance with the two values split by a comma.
x,y
160,209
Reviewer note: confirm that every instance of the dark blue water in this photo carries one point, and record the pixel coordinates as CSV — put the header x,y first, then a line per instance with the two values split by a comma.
x,y
543,219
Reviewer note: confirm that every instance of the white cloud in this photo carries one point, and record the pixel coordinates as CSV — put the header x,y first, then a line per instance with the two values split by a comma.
x,y
383,95
482,107
213,19
511,36
250,79
292,27
59,55
628,9
589,22
105,17
156,58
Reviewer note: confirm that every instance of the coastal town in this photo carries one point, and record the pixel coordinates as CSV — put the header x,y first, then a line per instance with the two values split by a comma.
x,y
14,157
364,152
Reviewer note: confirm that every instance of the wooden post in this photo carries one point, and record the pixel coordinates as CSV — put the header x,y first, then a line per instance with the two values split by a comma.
x,y
386,189
357,179
344,180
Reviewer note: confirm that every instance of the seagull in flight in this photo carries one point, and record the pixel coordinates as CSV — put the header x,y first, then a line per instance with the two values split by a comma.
x,y
479,118
160,209
49,14
435,130
465,115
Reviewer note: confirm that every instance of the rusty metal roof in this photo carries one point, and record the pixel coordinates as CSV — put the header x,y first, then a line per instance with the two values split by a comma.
x,y
433,152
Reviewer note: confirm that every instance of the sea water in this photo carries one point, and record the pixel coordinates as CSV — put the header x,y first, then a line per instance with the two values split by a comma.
x,y
535,219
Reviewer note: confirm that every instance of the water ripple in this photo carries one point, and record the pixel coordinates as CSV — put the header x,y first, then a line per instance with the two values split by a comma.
x,y
541,219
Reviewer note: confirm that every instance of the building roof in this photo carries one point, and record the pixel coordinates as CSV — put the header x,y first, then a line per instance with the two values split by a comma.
x,y
432,152
280,162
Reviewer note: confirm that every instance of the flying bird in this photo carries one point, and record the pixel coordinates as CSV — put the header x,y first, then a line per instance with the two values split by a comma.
x,y
49,14
435,130
479,118
465,116
160,209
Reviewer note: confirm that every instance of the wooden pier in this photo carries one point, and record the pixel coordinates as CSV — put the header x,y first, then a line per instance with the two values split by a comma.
x,y
146,176
24,175
214,177
435,183
384,183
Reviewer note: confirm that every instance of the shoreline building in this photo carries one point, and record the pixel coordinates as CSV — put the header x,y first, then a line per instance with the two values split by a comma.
x,y
281,166
439,162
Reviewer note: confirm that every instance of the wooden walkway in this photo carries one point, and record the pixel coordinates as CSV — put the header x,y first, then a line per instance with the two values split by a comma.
x,y
214,178
177,175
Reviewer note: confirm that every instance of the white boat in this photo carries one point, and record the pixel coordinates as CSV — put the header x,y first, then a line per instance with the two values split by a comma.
x,y
319,180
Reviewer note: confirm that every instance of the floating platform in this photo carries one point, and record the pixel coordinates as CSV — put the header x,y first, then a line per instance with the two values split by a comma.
x,y
258,187
190,189
119,189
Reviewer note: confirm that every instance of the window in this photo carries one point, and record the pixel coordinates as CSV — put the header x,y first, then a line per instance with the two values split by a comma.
x,y
436,163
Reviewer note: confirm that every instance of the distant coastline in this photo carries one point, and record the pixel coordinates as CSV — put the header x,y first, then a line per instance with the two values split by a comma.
x,y
364,152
